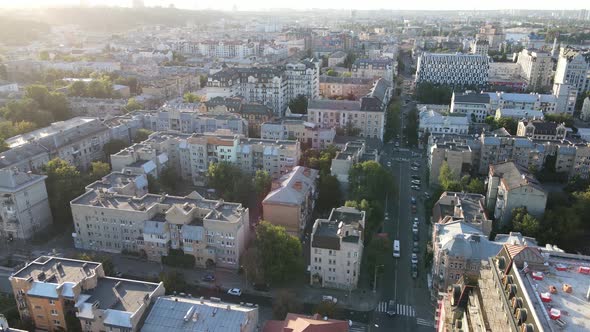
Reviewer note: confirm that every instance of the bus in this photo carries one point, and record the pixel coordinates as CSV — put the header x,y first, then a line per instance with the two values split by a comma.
x,y
396,252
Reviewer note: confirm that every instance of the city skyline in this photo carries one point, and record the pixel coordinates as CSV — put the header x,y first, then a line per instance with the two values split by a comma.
x,y
261,5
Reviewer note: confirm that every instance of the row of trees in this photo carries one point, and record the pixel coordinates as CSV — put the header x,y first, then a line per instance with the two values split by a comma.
x,y
97,88
411,129
449,181
392,121
510,124
429,93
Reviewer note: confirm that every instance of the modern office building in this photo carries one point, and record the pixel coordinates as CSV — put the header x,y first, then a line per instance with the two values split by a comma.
x,y
455,69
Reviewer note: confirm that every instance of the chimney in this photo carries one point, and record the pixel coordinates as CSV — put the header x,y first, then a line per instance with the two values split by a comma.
x,y
298,186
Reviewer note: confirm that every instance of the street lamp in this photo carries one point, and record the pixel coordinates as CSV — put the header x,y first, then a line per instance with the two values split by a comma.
x,y
375,280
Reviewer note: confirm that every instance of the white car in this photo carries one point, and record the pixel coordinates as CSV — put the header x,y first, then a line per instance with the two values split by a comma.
x,y
414,259
235,291
386,216
416,220
415,229
414,168
389,164
414,187
328,298
416,182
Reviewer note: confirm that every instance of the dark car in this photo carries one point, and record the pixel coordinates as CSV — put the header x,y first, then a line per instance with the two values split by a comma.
x,y
208,278
415,236
414,271
415,177
413,200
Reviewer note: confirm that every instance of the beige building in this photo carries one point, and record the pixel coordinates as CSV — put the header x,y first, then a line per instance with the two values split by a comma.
x,y
468,207
457,155
291,200
352,153
332,87
541,130
309,134
536,68
337,249
50,290
509,187
336,58
24,206
117,214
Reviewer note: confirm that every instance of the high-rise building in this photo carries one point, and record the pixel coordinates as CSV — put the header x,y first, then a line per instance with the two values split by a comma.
x,y
536,69
493,34
573,68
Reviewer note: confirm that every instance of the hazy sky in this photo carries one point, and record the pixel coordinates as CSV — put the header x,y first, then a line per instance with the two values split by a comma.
x,y
304,4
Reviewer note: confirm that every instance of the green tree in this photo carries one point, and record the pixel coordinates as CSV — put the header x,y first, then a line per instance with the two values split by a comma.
x,y
325,309
349,60
141,135
98,169
332,72
105,260
447,179
174,281
347,74
262,183
476,186
169,179
429,93
3,145
203,80
392,121
77,89
369,180
524,223
64,183
284,302
154,186
230,182
133,105
298,105
44,55
379,251
330,195
113,146
190,98
282,259
412,124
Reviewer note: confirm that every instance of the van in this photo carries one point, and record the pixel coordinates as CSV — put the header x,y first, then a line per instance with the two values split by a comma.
x,y
396,249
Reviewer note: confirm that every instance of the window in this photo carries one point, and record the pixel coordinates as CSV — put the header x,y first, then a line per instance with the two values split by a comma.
x,y
56,322
53,312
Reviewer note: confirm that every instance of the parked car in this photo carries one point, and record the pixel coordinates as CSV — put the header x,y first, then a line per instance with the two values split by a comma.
x,y
389,164
426,194
415,177
415,187
413,199
391,308
415,229
415,237
208,278
415,164
397,144
386,216
329,298
414,271
235,292
414,259
416,182
415,249
416,220
413,208
414,168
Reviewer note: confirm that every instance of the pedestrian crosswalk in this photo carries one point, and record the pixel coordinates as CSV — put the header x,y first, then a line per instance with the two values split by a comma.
x,y
424,322
400,309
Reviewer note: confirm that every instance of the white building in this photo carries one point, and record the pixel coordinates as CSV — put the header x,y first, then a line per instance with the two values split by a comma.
x,y
481,47
518,114
536,68
117,214
307,133
585,113
573,68
374,68
303,78
24,207
453,69
436,123
169,119
8,87
337,249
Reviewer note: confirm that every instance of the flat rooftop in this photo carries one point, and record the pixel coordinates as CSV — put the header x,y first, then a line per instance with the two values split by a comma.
x,y
120,294
53,129
57,270
168,314
575,309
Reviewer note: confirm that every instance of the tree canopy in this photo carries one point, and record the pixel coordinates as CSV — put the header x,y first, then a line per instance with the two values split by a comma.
x,y
64,183
282,257
369,180
141,135
298,105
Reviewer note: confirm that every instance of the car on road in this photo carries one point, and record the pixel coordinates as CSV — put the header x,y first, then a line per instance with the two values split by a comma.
x,y
391,308
415,228
413,200
414,259
397,144
414,271
329,298
426,194
389,164
415,177
386,216
415,164
415,187
415,249
414,209
208,278
235,291
416,182
415,237
414,168
416,220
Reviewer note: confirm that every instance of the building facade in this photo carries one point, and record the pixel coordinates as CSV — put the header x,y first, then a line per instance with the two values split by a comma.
x,y
337,249
116,213
573,68
374,68
541,130
307,133
291,200
24,206
453,69
332,87
536,68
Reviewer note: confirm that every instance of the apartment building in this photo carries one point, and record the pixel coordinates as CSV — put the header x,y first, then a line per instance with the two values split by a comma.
x,y
352,153
332,87
505,76
51,290
302,323
493,34
495,149
366,115
189,314
510,186
193,122
224,49
433,122
307,133
573,68
541,130
291,200
453,69
78,141
585,112
467,207
255,114
24,206
139,158
476,106
337,249
536,68
336,58
116,214
522,288
459,156
518,114
374,68
481,47
190,155
303,78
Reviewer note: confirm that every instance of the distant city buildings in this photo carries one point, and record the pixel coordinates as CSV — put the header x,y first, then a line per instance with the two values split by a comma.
x,y
455,69
494,35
